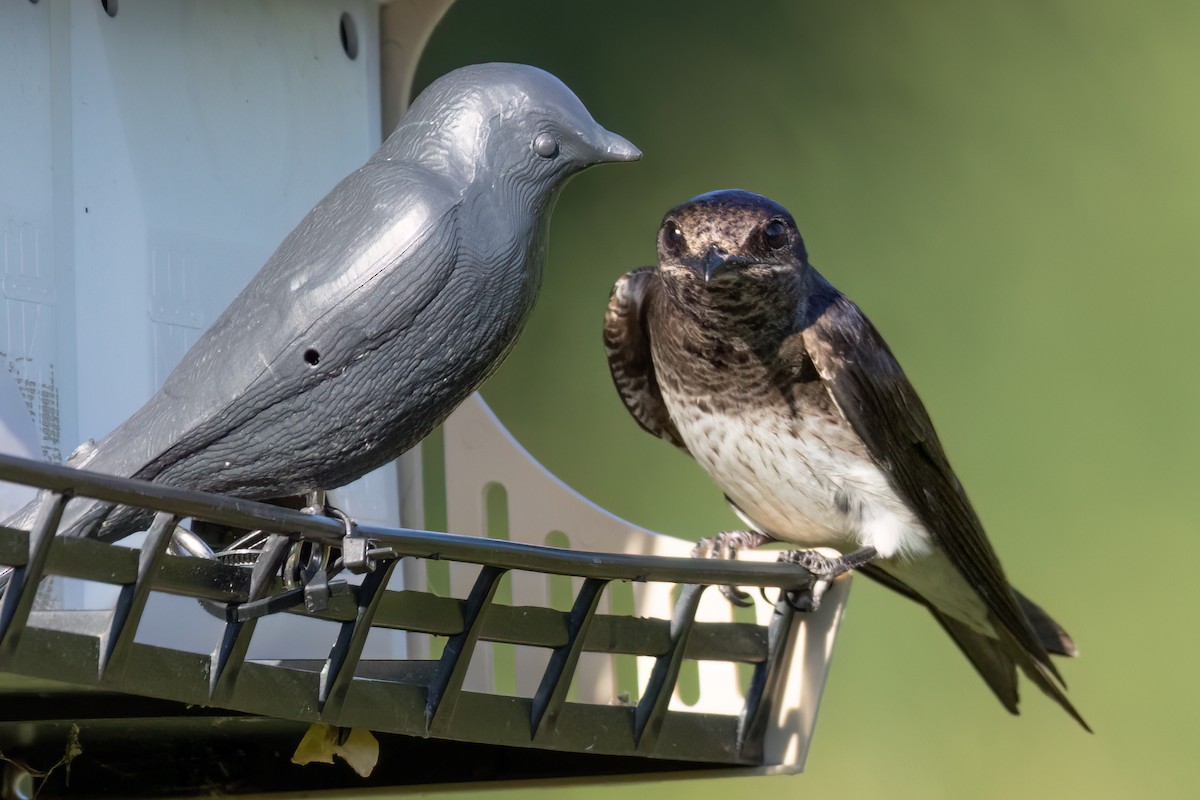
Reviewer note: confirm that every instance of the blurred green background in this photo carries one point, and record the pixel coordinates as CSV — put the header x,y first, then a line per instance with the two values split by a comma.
x,y
1010,191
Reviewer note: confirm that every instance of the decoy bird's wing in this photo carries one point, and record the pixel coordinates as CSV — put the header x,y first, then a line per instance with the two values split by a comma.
x,y
873,393
627,343
385,228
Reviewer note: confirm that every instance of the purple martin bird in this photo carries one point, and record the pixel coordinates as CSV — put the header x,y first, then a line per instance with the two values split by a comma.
x,y
391,301
736,350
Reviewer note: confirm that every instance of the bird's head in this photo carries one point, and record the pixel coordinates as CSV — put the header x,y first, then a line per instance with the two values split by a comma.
x,y
507,124
725,243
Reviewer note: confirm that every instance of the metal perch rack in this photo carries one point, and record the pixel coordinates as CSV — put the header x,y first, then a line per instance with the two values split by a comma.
x,y
99,651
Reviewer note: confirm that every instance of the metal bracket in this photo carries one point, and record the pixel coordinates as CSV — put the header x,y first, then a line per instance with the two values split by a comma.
x,y
356,554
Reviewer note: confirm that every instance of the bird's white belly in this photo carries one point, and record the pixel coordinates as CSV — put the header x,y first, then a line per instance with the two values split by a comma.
x,y
805,481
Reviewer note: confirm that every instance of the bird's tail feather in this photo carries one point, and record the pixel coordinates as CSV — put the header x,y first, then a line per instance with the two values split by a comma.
x,y
996,659
1052,636
1039,674
989,657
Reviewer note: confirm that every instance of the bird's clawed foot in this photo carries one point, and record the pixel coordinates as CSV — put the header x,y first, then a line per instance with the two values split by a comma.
x,y
825,569
725,545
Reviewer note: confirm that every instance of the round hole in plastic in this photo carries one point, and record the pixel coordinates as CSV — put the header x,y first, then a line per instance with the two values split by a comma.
x,y
110,7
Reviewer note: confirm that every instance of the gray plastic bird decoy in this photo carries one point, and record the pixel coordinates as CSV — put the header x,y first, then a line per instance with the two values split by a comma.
x,y
391,301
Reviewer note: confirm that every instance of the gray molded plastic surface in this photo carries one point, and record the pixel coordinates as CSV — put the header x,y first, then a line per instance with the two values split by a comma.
x,y
390,302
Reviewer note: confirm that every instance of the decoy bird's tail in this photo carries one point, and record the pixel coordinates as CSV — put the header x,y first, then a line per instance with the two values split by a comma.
x,y
22,519
83,517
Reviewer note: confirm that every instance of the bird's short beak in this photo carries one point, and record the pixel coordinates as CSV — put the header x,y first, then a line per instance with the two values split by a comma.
x,y
715,260
610,147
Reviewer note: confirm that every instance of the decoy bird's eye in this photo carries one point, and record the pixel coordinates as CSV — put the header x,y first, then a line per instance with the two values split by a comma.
x,y
672,238
545,145
775,234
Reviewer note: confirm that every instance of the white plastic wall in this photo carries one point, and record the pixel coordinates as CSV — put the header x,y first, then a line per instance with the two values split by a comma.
x,y
150,162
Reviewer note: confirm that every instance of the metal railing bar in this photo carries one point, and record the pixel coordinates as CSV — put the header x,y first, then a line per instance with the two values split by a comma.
x,y
583,564
73,557
552,692
200,577
409,610
403,541
266,566
23,581
535,626
227,659
338,672
456,658
583,727
652,708
640,636
131,602
645,636
14,547
412,672
417,611
767,680
223,509
90,560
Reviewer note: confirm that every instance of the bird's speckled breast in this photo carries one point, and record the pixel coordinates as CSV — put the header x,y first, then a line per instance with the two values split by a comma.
x,y
761,422
772,461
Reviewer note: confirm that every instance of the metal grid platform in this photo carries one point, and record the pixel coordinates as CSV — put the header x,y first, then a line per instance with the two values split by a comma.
x,y
99,650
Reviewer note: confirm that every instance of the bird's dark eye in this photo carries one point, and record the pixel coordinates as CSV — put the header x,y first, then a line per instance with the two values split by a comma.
x,y
672,238
775,234
545,145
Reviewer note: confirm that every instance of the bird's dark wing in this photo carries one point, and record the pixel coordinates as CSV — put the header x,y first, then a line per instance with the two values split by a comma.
x,y
873,393
627,343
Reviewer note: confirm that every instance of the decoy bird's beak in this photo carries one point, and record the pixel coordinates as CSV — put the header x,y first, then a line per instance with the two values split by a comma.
x,y
611,147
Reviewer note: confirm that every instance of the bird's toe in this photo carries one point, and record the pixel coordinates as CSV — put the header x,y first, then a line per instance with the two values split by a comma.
x,y
737,597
